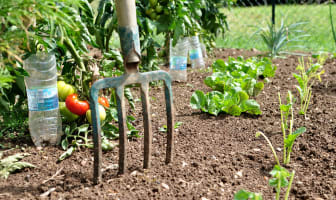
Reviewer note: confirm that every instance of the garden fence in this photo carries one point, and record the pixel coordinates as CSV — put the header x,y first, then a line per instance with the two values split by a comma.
x,y
248,16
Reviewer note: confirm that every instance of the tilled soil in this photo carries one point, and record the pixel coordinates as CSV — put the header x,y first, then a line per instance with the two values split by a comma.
x,y
214,157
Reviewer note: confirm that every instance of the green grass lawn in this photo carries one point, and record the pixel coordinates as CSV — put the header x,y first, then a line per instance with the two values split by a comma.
x,y
244,22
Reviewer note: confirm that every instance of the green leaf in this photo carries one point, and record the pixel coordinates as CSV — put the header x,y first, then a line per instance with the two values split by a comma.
x,y
129,97
279,174
234,110
67,153
245,195
197,100
65,144
12,159
107,145
12,164
289,141
177,125
243,96
299,80
258,87
250,106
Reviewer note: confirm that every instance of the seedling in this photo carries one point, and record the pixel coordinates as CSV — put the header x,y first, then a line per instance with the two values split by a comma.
x,y
245,195
176,126
309,73
279,180
287,121
12,163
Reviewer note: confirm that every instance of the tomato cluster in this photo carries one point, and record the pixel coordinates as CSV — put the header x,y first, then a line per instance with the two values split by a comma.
x,y
73,107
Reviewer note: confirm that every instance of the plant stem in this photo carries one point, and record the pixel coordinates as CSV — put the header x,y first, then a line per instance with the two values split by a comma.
x,y
307,102
74,53
289,185
283,129
278,190
271,146
286,161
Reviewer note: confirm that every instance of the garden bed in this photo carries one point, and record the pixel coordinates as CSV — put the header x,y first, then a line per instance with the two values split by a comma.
x,y
214,157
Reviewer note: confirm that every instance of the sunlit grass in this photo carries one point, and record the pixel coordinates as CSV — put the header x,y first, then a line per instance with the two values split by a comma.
x,y
244,22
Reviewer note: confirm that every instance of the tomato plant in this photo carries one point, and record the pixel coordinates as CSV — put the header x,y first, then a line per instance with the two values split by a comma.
x,y
75,105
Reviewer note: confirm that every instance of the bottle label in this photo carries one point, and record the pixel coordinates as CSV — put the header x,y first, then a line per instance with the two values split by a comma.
x,y
178,63
195,53
42,99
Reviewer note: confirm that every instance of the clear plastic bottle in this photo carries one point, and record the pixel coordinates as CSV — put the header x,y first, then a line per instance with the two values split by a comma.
x,y
195,53
178,60
44,118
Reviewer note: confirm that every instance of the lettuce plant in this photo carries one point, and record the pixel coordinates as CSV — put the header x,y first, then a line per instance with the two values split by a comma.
x,y
234,82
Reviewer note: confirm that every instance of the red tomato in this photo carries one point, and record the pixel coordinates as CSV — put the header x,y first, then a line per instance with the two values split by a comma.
x,y
75,105
103,101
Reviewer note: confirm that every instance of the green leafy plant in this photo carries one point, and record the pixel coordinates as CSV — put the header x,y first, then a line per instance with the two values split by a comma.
x,y
277,38
12,163
246,195
287,123
279,180
234,82
309,73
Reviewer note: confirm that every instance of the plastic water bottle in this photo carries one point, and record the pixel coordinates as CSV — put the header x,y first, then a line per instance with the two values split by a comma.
x,y
195,53
44,119
178,60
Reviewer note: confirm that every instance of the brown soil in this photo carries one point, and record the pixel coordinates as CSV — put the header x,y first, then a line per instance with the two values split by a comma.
x,y
214,157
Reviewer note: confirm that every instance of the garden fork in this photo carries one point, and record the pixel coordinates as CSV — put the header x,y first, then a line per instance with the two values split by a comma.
x,y
129,39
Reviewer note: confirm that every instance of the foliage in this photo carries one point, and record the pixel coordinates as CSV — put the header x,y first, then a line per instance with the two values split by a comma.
x,y
277,38
240,73
287,123
27,26
280,180
175,19
245,195
309,73
234,82
12,163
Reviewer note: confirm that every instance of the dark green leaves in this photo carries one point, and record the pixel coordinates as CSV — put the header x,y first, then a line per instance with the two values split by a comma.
x,y
233,103
234,82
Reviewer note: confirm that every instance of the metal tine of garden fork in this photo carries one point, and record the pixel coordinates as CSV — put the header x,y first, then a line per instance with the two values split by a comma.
x,y
119,84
